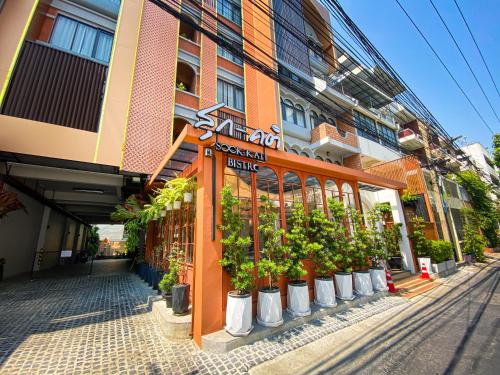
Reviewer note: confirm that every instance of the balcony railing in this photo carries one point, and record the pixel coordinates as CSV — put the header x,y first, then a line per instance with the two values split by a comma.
x,y
325,130
56,87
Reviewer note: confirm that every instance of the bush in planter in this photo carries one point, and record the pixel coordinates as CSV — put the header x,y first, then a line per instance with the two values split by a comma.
x,y
440,251
330,234
169,280
298,248
421,245
271,265
392,237
473,240
235,261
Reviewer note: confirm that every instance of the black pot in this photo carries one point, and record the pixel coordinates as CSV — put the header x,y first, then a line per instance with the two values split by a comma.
x,y
139,269
150,275
156,279
168,299
396,262
180,299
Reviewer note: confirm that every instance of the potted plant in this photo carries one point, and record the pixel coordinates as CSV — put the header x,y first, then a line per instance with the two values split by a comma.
x,y
298,248
181,86
409,198
169,280
474,241
271,265
421,245
237,264
180,290
392,237
331,234
360,242
189,188
440,252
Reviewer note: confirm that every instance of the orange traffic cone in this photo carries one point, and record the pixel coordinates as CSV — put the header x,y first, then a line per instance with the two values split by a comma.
x,y
424,274
390,284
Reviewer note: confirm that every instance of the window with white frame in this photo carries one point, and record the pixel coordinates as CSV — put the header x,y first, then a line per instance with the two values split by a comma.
x,y
230,94
81,39
293,113
231,9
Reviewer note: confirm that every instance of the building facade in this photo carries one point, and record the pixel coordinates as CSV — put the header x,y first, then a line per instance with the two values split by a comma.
x,y
102,99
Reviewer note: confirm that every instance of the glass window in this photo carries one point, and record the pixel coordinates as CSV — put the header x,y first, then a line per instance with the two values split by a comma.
x,y
331,191
314,119
287,110
267,184
227,54
292,192
230,94
230,9
388,136
81,39
348,195
314,195
300,116
365,126
241,186
322,119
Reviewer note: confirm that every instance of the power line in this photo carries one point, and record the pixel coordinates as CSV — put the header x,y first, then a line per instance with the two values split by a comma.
x,y
463,56
444,66
477,46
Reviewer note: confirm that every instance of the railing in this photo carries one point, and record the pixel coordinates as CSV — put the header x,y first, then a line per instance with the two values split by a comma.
x,y
325,129
408,132
240,128
57,87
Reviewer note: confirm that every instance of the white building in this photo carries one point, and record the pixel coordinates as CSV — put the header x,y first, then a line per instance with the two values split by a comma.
x,y
483,160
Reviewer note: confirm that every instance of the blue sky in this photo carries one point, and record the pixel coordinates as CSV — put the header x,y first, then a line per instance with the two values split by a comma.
x,y
384,23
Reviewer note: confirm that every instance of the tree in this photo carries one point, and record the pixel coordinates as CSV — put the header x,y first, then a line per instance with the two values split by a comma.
x,y
392,236
272,262
473,240
324,233
235,260
480,195
93,241
360,239
298,245
421,244
496,149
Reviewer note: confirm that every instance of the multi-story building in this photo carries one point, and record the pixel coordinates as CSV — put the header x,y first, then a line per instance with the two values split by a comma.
x,y
484,163
99,97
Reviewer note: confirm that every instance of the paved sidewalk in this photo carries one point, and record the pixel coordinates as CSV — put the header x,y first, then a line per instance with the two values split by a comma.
x,y
100,325
453,329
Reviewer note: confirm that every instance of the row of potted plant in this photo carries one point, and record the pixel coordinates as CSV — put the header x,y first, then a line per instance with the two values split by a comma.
x,y
324,239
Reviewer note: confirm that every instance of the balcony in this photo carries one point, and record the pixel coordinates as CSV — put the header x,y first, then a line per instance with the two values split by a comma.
x,y
56,87
410,140
326,137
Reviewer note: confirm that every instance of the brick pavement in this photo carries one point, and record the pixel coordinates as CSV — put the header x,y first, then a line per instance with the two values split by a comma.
x,y
101,325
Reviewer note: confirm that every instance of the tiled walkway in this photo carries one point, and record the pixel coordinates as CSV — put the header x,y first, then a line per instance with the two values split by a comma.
x,y
100,324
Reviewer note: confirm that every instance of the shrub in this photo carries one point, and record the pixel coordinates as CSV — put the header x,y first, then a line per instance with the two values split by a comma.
x,y
272,262
235,260
473,240
298,246
171,277
360,239
421,245
330,234
376,246
392,236
440,251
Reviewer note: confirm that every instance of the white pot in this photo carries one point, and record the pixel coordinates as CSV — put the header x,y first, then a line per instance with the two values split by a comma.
x,y
363,283
379,280
427,262
298,300
188,197
269,310
239,314
163,213
343,285
450,264
169,206
177,205
438,268
324,292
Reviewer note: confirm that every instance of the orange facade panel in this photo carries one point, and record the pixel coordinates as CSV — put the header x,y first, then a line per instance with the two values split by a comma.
x,y
187,99
189,47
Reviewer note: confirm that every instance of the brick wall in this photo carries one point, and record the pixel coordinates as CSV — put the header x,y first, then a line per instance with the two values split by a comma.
x,y
148,133
353,162
326,130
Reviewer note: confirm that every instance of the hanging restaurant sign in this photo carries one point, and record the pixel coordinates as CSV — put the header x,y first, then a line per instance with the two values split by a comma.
x,y
240,132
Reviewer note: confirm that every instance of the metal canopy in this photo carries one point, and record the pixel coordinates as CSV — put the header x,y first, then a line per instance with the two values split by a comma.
x,y
371,188
364,84
183,157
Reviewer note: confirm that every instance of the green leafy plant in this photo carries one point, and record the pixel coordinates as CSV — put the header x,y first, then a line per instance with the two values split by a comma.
x,y
93,241
474,241
440,251
384,208
376,244
408,196
172,276
482,202
392,237
496,149
272,262
360,239
339,244
321,232
421,245
298,245
235,258
181,86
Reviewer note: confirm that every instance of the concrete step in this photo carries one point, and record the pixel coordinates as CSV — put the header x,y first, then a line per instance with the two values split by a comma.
x,y
398,275
420,290
408,282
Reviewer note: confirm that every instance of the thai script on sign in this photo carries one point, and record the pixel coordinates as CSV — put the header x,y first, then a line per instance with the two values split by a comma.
x,y
258,136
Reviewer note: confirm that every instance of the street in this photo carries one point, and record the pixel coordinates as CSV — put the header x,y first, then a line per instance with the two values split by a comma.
x,y
452,330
